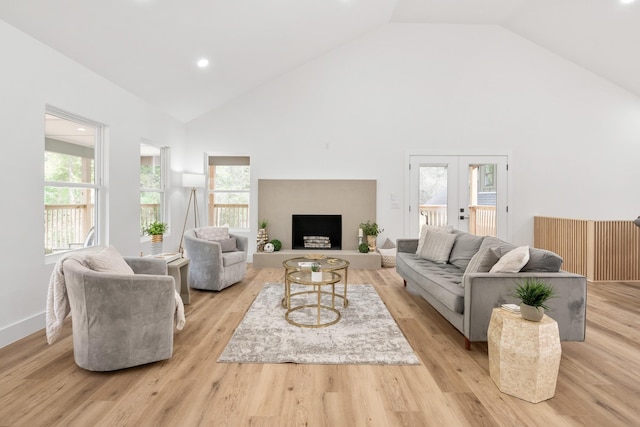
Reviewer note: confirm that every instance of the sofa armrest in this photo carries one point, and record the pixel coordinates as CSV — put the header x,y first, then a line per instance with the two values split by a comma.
x,y
485,291
407,245
147,265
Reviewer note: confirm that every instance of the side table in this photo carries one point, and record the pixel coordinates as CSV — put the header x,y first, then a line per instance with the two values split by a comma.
x,y
524,356
179,270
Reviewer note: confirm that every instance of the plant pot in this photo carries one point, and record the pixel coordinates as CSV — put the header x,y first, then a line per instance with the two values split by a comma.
x,y
316,276
156,244
371,240
262,239
531,313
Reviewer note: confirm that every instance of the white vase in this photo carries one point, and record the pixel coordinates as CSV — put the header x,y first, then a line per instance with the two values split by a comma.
x,y
316,276
156,244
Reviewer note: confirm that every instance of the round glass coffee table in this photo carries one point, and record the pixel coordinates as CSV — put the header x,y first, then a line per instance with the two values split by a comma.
x,y
304,263
329,278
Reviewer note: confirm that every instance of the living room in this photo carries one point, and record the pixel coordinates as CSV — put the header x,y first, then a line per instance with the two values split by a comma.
x,y
355,110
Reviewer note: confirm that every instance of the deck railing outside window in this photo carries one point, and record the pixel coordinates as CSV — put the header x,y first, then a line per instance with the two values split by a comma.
x,y
482,219
234,215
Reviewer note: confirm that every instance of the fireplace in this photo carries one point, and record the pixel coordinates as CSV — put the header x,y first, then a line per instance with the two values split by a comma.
x,y
320,231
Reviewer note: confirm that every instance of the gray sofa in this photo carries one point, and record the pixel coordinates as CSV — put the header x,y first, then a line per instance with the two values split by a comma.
x,y
467,298
213,267
121,320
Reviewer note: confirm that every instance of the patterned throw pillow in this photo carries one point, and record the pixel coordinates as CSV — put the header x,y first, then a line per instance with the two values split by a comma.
x,y
432,228
437,246
213,233
512,261
108,260
482,261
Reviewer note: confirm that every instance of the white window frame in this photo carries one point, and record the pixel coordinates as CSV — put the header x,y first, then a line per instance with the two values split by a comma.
x,y
163,190
97,186
228,160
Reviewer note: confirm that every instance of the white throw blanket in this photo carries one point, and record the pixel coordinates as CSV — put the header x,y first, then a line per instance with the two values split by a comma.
x,y
58,307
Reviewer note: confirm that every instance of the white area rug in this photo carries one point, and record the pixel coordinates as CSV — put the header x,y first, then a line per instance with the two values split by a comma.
x,y
366,334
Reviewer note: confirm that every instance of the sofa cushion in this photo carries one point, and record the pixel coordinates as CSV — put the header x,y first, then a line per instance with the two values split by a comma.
x,y
464,248
231,258
212,233
442,281
437,246
541,260
494,242
108,260
482,261
433,228
512,261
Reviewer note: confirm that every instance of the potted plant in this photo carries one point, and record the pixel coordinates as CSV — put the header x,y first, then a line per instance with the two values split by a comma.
x,y
156,230
533,293
277,244
363,248
371,229
316,274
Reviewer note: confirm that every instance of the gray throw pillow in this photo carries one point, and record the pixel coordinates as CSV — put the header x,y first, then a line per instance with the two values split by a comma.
x,y
464,248
502,246
482,261
228,245
541,260
437,246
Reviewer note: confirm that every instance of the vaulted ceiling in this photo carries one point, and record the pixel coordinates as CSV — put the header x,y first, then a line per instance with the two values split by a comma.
x,y
150,47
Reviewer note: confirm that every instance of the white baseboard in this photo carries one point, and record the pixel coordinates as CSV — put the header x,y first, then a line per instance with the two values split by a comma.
x,y
12,333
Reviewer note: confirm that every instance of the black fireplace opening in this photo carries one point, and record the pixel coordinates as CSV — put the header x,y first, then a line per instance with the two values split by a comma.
x,y
316,232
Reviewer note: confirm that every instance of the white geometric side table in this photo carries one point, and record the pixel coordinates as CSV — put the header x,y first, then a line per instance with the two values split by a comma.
x,y
524,356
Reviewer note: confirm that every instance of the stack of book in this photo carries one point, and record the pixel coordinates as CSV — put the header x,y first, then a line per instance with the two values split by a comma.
x,y
511,307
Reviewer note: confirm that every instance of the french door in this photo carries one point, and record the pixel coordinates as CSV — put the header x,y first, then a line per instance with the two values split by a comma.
x,y
466,192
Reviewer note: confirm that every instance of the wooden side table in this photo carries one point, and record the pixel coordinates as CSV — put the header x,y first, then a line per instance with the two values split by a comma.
x,y
179,270
524,356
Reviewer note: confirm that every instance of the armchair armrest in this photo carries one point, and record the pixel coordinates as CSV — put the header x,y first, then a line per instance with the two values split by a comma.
x,y
242,242
147,265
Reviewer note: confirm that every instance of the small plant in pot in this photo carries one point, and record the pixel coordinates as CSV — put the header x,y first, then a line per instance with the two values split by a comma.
x,y
316,273
156,230
533,293
371,230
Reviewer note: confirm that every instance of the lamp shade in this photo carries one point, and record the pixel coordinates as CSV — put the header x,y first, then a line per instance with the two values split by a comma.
x,y
193,180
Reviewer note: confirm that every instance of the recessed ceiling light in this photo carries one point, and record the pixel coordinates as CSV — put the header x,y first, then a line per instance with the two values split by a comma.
x,y
627,1
81,129
202,63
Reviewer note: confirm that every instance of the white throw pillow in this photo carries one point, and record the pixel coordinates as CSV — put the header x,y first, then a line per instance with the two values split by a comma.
x,y
432,228
213,233
437,246
512,261
108,260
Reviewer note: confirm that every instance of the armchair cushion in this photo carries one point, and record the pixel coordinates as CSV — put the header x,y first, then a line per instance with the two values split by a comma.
x,y
212,233
108,260
230,258
228,245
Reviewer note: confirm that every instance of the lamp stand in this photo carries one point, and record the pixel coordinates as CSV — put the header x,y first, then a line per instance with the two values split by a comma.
x,y
193,199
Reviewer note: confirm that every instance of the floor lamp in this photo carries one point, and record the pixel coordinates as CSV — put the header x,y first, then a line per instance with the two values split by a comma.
x,y
193,181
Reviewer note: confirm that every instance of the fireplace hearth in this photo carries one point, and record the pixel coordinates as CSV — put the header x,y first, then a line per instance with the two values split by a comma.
x,y
316,232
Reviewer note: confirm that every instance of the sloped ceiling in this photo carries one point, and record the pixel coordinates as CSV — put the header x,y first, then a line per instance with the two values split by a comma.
x,y
150,47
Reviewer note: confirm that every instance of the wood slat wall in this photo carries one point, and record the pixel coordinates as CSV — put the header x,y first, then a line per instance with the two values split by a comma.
x,y
599,250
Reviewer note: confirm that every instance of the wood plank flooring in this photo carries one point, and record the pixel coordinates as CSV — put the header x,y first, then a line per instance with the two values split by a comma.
x,y
598,383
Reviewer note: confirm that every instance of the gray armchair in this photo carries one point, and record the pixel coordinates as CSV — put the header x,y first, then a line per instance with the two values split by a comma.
x,y
211,268
121,320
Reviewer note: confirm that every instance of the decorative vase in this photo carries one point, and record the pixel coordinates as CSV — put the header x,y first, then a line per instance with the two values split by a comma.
x,y
156,244
371,240
262,239
531,313
316,276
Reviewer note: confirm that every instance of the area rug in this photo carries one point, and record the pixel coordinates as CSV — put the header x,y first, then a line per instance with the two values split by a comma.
x,y
366,333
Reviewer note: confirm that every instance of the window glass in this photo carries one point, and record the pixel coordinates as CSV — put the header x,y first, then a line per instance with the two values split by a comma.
x,y
70,187
152,185
229,191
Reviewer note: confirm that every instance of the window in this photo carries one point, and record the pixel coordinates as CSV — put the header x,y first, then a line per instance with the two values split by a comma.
x,y
71,182
229,185
153,167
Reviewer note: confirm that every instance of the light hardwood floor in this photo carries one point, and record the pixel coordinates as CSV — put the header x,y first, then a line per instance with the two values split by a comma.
x,y
598,383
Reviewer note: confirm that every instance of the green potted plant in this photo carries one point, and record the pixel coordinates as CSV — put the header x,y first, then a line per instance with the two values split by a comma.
x,y
156,230
371,230
277,245
533,293
316,274
363,248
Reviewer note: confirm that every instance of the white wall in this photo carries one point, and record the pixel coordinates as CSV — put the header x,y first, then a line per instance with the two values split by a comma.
x,y
31,76
356,112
